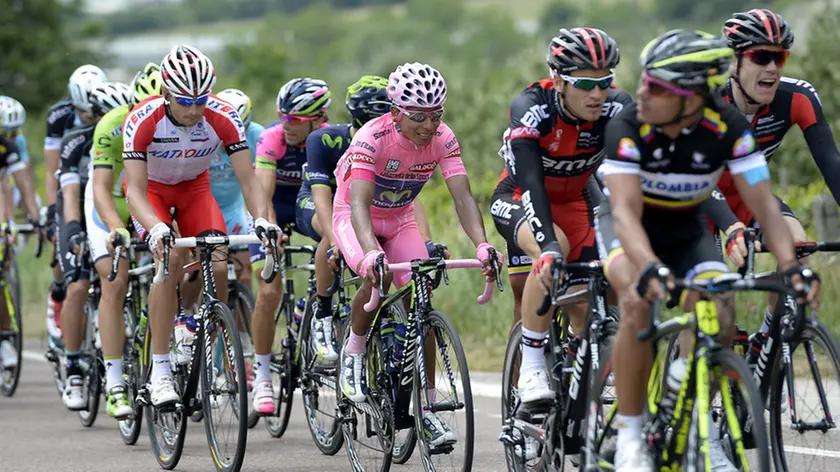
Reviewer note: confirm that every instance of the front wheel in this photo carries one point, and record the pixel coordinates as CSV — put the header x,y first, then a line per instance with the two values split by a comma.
x,y
225,390
10,375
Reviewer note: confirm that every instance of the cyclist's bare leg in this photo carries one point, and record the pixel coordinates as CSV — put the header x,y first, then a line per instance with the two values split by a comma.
x,y
191,284
262,322
517,286
220,258
242,264
163,302
323,272
360,319
111,320
72,315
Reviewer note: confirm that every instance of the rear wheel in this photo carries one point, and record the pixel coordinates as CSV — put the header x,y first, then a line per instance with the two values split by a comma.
x,y
10,376
93,372
282,376
167,427
130,427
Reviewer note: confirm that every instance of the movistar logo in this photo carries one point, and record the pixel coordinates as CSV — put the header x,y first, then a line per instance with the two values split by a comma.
x,y
328,140
394,197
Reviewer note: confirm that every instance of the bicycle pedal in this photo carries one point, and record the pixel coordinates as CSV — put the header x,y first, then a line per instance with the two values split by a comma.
x,y
442,449
51,356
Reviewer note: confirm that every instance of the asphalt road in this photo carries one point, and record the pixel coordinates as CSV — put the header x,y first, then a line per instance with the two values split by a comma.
x,y
38,434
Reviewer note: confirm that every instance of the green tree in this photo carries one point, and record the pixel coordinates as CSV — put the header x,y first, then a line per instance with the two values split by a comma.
x,y
40,51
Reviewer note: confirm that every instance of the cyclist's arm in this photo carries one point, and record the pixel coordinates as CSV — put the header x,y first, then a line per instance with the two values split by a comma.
x,y
525,165
137,182
8,192
103,183
51,166
322,197
70,180
56,119
251,186
716,208
807,113
422,220
361,199
467,208
27,192
266,175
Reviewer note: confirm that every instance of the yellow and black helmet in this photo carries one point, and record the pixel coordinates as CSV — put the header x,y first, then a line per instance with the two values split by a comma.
x,y
691,60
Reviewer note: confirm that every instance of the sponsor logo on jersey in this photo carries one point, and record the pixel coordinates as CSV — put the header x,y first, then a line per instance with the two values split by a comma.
x,y
361,158
427,167
627,149
502,209
71,145
381,134
364,145
58,113
392,165
332,142
676,186
572,165
524,132
181,153
744,145
165,140
534,116
610,109
236,147
452,142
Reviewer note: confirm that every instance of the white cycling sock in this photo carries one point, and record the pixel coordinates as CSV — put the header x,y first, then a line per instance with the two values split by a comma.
x,y
161,367
629,428
533,358
262,364
113,373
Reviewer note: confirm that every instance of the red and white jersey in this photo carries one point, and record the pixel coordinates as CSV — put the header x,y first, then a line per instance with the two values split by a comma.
x,y
175,153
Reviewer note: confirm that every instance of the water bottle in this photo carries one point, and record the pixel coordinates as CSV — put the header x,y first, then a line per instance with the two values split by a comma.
x,y
673,382
97,338
300,307
184,337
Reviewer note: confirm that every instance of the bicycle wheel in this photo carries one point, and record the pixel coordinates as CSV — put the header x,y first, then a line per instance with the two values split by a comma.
x,y
133,373
93,372
368,427
167,427
747,405
813,386
242,304
318,388
282,376
600,431
453,396
225,387
514,458
10,376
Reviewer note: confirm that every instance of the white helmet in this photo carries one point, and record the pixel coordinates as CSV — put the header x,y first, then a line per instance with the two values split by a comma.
x,y
81,82
109,95
416,85
12,114
187,72
240,101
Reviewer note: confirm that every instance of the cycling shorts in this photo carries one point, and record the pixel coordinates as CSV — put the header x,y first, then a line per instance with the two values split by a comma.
x,y
236,220
63,251
397,236
285,220
190,203
97,230
304,215
574,218
678,238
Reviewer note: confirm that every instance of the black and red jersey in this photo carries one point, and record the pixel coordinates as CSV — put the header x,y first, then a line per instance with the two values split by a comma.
x,y
549,156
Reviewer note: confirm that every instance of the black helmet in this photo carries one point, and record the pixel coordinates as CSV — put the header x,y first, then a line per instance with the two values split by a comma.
x,y
367,99
582,48
757,28
688,59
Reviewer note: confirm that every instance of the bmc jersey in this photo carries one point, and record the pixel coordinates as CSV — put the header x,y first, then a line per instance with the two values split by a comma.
x,y
796,103
324,148
75,156
379,153
679,174
223,181
61,118
286,161
548,155
177,153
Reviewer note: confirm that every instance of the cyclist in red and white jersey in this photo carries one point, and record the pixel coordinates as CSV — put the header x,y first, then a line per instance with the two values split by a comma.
x,y
169,141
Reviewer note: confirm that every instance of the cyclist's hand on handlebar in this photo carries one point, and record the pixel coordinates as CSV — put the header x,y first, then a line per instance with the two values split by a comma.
x,y
736,246
74,235
482,252
155,239
333,254
654,276
113,237
551,257
367,268
806,282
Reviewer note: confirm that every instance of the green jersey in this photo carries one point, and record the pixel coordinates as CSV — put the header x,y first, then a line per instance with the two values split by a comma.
x,y
107,153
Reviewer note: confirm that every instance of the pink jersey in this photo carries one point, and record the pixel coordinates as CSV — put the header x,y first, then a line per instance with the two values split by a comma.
x,y
380,154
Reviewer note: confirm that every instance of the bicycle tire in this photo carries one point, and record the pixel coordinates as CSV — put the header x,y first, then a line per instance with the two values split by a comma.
x,y
226,331
511,362
732,363
130,428
93,377
282,366
331,441
167,459
437,320
243,303
815,331
377,401
594,452
10,378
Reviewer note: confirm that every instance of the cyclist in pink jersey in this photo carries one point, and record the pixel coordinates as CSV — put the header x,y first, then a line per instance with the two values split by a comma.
x,y
380,175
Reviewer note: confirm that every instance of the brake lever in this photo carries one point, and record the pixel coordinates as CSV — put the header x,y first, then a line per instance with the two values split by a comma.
x,y
380,270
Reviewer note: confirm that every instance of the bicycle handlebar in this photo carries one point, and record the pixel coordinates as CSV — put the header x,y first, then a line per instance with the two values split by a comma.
x,y
730,282
272,265
375,294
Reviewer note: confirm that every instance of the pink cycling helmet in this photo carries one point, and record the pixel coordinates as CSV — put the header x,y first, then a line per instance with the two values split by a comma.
x,y
417,85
